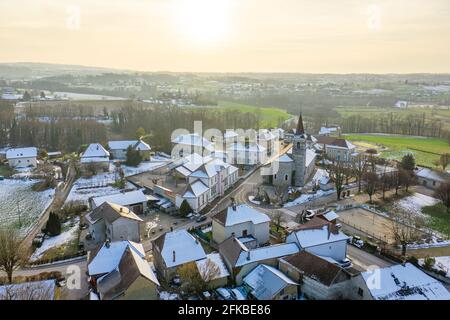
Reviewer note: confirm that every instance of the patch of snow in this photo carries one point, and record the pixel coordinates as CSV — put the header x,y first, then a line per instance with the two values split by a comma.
x,y
441,263
54,242
164,295
416,202
252,200
308,197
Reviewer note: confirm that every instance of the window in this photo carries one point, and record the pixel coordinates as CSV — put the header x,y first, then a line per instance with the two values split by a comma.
x,y
275,176
286,177
298,145
360,292
244,233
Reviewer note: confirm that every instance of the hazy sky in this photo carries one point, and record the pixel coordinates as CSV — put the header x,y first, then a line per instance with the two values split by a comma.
x,y
338,36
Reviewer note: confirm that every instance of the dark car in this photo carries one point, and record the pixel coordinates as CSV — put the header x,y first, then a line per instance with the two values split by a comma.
x,y
200,219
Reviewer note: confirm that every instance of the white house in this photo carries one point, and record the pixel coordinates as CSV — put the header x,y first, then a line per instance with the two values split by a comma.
x,y
184,145
401,104
268,283
401,282
246,153
327,131
118,149
134,200
241,221
119,270
206,178
336,148
431,178
322,238
22,157
267,139
174,249
113,222
95,155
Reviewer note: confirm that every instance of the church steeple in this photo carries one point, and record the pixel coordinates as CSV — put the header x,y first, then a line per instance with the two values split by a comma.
x,y
300,128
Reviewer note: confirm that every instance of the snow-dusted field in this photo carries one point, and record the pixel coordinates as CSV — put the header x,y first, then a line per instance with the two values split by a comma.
x,y
54,242
416,202
442,263
17,196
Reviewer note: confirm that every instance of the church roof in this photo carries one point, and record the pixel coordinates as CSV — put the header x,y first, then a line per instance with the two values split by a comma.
x,y
300,128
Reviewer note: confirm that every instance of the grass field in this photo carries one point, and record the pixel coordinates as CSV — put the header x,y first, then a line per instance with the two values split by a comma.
x,y
425,150
6,171
271,117
370,111
439,218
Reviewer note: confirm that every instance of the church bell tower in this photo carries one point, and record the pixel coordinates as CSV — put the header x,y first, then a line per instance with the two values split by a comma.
x,y
299,154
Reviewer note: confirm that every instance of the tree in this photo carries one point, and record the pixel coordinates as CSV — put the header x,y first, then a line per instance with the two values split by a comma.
x,y
371,184
359,165
443,194
26,96
140,133
280,191
12,255
196,279
444,160
408,162
337,171
42,95
134,157
405,227
53,226
185,208
277,219
27,291
209,271
407,178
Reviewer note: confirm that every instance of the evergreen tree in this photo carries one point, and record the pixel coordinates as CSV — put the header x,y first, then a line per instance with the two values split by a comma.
x,y
53,227
408,162
134,157
185,208
26,96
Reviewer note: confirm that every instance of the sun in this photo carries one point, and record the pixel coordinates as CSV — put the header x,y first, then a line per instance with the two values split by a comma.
x,y
204,21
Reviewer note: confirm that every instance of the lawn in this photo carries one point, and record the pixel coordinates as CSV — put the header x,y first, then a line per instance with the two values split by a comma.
x,y
6,171
439,218
271,117
425,150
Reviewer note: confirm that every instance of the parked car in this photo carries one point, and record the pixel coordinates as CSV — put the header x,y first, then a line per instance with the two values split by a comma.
x,y
346,263
224,294
356,241
200,219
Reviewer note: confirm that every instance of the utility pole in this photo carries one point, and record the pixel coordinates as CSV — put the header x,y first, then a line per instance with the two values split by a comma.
x,y
18,212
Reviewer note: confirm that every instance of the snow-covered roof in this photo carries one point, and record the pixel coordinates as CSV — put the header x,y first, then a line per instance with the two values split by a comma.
x,y
432,175
315,236
217,260
310,157
142,146
108,257
331,215
240,214
192,139
284,158
121,145
264,253
195,190
251,147
36,290
18,153
329,130
179,247
266,282
230,134
123,198
95,150
404,282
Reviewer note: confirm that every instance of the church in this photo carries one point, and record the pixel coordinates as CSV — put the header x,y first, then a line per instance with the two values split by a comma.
x,y
297,165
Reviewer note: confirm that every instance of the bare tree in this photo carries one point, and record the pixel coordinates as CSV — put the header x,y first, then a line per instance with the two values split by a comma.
x,y
359,165
371,184
277,219
443,194
405,227
280,192
40,290
197,279
444,160
12,255
209,271
338,171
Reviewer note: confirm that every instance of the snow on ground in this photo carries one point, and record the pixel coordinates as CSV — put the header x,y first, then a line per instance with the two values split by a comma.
x,y
82,195
16,196
319,175
54,242
441,263
308,197
432,244
416,202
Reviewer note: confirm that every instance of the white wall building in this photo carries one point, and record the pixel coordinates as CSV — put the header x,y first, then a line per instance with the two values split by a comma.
x,y
22,157
118,149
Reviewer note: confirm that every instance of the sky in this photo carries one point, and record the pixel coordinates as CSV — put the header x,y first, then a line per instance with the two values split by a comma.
x,y
312,36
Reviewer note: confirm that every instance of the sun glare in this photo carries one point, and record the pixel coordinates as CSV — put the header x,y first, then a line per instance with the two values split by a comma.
x,y
204,21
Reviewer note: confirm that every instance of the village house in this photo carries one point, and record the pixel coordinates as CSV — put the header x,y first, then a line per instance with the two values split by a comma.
x,y
240,259
246,153
432,179
119,270
22,157
184,145
118,149
204,268
241,221
267,283
319,279
174,249
328,131
135,200
95,157
207,178
336,148
267,139
400,282
321,238
113,222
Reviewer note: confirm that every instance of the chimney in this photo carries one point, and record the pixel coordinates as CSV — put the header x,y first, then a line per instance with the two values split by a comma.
x,y
121,209
171,230
107,243
173,253
233,204
248,255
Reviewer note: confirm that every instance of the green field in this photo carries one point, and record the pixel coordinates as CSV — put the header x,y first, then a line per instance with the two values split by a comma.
x,y
271,117
372,110
425,150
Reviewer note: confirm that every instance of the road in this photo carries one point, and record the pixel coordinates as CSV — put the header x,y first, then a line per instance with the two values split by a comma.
x,y
362,260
